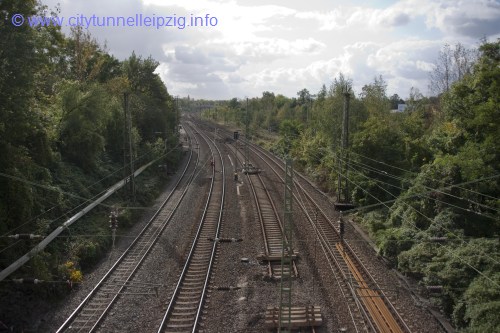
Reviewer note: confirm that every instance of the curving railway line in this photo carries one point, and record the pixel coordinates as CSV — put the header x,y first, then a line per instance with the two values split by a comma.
x,y
369,308
96,305
271,227
184,310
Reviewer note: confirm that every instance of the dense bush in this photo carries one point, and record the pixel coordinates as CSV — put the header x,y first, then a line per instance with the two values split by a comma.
x,y
61,142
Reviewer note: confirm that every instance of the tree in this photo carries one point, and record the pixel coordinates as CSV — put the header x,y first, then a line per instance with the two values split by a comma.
x,y
379,139
395,100
480,305
451,65
21,58
304,96
374,97
85,57
322,93
234,104
289,132
82,129
150,103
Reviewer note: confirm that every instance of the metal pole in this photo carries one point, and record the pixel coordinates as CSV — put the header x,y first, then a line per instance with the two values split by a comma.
x,y
247,137
343,187
236,153
40,246
130,150
285,310
176,116
345,141
125,122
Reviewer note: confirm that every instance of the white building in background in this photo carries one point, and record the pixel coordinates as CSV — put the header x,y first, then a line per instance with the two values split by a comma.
x,y
401,107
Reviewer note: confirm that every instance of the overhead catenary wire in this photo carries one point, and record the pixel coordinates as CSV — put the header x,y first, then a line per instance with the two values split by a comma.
x,y
401,169
384,173
432,190
458,237
71,195
423,195
413,172
445,248
40,246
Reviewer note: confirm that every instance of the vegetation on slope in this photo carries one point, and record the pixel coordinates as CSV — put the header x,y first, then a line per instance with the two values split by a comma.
x,y
62,143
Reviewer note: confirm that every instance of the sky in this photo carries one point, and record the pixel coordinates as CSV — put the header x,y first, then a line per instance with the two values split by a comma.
x,y
247,47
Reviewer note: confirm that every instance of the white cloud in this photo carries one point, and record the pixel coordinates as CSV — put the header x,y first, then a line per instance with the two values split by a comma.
x,y
467,18
266,48
286,46
330,20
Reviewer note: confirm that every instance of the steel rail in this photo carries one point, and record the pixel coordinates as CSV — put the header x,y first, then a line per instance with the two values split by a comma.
x,y
352,253
268,222
329,255
328,252
198,243
106,277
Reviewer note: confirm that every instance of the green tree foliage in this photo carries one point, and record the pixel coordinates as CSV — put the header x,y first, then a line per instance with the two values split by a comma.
x,y
84,118
395,100
24,146
374,97
462,151
153,108
62,131
289,131
479,306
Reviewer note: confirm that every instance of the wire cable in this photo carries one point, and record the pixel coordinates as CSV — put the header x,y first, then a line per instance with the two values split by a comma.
x,y
395,167
446,249
71,195
353,164
429,219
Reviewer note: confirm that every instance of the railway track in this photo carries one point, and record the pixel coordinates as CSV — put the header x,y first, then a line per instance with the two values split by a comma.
x,y
185,307
369,307
94,308
267,217
270,223
323,234
271,227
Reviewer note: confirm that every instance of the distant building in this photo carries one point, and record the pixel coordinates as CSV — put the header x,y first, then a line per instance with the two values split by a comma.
x,y
401,107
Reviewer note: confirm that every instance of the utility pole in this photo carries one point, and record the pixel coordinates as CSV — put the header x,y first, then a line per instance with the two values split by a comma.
x,y
285,310
343,185
113,224
341,229
236,136
125,169
128,124
247,137
345,140
177,116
